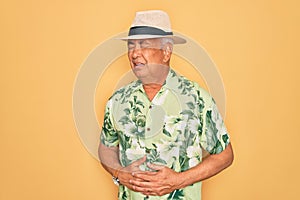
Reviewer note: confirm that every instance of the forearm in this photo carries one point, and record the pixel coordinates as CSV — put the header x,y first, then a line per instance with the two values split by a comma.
x,y
109,158
210,166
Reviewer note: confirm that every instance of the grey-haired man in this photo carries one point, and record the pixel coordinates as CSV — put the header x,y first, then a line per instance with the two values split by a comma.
x,y
156,128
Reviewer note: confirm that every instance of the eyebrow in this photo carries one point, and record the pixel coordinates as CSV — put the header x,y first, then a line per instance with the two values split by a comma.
x,y
140,42
130,42
144,41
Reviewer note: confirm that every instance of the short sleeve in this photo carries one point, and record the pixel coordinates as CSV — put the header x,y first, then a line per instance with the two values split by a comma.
x,y
214,137
109,134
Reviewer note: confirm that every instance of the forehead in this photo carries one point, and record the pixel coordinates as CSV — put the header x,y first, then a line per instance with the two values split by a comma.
x,y
148,41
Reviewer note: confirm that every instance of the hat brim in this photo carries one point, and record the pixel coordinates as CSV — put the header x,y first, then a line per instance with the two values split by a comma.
x,y
176,39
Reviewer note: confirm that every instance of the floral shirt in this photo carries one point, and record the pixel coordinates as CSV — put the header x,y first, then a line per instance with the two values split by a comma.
x,y
172,130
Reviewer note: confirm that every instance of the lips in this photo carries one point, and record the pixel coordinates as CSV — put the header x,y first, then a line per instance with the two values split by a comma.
x,y
138,64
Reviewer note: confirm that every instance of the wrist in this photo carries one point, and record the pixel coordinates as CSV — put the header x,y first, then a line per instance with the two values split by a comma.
x,y
180,180
184,179
115,176
116,172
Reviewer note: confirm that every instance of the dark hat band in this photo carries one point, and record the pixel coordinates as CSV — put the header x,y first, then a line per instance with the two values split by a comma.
x,y
147,30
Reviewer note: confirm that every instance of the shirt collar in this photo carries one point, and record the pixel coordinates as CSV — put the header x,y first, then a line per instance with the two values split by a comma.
x,y
171,82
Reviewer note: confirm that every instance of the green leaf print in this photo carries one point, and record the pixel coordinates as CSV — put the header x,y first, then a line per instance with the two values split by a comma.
x,y
190,105
153,156
219,147
125,141
173,74
137,110
124,195
141,120
184,162
127,111
200,103
176,195
225,138
211,132
189,113
124,120
124,160
166,132
140,103
131,103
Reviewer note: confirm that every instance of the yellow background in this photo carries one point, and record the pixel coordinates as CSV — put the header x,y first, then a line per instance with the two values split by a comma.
x,y
255,45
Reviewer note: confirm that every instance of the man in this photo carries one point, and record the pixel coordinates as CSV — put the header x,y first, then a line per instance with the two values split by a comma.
x,y
156,128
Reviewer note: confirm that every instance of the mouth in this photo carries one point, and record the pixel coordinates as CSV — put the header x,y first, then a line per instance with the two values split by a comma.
x,y
138,64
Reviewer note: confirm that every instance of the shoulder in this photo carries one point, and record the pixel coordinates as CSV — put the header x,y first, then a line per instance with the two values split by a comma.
x,y
203,93
192,86
125,91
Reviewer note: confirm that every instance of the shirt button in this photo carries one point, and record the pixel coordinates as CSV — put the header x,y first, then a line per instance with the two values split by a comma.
x,y
148,129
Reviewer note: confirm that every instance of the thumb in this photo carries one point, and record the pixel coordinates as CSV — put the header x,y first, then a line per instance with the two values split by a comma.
x,y
140,161
155,167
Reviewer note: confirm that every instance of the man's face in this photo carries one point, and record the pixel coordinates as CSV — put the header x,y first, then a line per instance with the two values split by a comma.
x,y
147,58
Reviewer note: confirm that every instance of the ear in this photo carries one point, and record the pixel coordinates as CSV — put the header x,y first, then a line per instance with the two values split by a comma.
x,y
167,50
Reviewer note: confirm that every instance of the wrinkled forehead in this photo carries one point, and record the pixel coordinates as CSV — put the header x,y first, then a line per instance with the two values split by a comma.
x,y
151,41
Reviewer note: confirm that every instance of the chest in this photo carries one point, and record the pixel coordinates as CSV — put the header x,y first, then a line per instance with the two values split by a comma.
x,y
164,118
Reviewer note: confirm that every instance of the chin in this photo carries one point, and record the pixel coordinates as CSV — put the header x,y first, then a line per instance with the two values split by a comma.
x,y
139,76
142,77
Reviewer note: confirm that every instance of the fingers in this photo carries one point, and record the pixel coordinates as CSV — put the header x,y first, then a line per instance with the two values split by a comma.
x,y
150,176
142,184
150,191
144,190
135,166
156,183
146,176
140,161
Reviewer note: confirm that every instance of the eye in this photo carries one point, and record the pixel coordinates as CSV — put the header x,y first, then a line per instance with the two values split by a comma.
x,y
145,44
130,47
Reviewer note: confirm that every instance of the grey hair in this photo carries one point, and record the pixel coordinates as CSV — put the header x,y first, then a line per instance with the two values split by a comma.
x,y
165,41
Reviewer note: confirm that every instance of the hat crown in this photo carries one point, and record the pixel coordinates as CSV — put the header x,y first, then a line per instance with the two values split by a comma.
x,y
152,18
152,24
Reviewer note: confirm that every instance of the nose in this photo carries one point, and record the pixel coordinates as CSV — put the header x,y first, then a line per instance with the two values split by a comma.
x,y
136,52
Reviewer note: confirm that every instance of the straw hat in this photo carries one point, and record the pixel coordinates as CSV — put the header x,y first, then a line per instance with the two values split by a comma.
x,y
152,24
